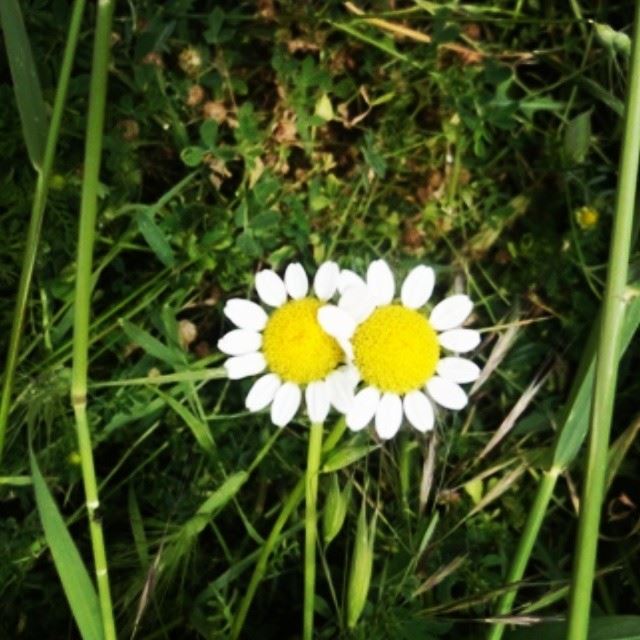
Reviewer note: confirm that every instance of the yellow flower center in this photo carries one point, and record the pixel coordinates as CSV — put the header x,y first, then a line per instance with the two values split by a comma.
x,y
396,349
295,345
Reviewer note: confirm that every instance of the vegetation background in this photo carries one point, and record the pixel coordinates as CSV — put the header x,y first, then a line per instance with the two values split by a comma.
x,y
481,138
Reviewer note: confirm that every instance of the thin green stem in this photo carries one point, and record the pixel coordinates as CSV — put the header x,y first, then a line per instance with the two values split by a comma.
x,y
37,215
525,547
311,526
291,503
82,302
606,366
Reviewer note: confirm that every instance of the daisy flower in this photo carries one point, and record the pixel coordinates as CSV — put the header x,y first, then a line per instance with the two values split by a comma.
x,y
288,346
397,349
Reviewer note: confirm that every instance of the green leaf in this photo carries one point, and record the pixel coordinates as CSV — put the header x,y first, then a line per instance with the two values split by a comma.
x,y
475,489
192,156
73,574
209,133
137,529
152,345
577,137
335,509
26,84
529,106
214,503
361,568
324,108
188,533
216,20
600,628
155,238
199,429
346,456
15,481
576,421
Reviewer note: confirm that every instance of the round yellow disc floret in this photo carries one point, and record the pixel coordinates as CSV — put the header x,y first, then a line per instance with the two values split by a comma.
x,y
396,349
295,345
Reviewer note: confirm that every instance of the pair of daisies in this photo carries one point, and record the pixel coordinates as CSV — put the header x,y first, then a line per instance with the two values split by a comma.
x,y
371,356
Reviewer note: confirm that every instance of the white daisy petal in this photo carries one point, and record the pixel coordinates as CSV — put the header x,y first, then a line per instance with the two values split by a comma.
x,y
347,348
451,312
349,279
388,416
285,404
270,288
363,408
246,314
458,370
419,411
317,397
460,340
418,287
296,281
326,280
248,364
352,374
239,341
446,393
341,387
262,392
336,322
380,282
358,302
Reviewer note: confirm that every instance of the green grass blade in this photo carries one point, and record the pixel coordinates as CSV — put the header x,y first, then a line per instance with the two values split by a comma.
x,y
37,215
26,84
606,375
155,238
199,429
571,436
600,628
574,428
77,585
152,345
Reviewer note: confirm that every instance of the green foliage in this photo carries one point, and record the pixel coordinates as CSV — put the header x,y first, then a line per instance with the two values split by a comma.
x,y
318,134
77,584
25,81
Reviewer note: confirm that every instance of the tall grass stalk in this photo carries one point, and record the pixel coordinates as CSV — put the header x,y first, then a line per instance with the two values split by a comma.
x,y
37,216
290,504
82,302
606,365
311,526
525,546
569,439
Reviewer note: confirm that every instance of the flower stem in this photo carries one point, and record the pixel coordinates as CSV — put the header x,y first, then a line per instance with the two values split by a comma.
x,y
311,526
606,366
525,546
294,499
37,216
82,302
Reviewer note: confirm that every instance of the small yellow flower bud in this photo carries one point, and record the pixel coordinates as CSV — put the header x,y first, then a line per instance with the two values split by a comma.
x,y
587,217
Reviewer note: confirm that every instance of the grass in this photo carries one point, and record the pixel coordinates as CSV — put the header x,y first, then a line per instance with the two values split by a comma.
x,y
480,138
